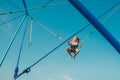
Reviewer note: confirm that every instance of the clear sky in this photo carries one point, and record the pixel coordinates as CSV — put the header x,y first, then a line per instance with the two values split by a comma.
x,y
97,59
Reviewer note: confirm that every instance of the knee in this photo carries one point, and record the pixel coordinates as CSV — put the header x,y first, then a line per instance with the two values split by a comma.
x,y
76,51
68,50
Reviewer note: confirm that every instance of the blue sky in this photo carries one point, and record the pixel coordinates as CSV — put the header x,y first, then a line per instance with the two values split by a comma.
x,y
97,59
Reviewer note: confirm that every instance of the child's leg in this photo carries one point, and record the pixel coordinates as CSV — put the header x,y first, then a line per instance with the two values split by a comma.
x,y
69,52
76,52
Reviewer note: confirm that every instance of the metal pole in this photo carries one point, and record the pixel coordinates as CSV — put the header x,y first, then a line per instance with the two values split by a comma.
x,y
25,6
99,26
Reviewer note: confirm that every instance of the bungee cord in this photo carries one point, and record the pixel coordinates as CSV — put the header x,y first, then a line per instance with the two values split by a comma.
x,y
44,27
72,36
60,38
116,6
30,34
47,29
116,9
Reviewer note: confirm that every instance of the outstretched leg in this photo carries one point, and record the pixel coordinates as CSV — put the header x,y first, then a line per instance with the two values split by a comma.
x,y
76,52
69,52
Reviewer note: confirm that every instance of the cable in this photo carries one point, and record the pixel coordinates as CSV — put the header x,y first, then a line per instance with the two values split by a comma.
x,y
34,8
2,60
117,8
30,34
17,65
18,61
47,29
109,9
11,20
117,5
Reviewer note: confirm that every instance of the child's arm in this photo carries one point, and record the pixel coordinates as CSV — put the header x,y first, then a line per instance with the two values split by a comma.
x,y
80,44
68,42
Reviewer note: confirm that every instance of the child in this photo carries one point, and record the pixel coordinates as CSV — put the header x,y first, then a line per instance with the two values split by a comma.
x,y
74,46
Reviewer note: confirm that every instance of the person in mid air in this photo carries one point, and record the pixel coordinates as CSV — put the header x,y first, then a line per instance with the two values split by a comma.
x,y
74,44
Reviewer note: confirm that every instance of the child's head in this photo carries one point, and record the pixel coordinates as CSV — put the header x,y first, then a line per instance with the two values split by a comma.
x,y
76,39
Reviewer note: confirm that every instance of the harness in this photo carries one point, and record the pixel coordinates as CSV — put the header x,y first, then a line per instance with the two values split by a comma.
x,y
73,47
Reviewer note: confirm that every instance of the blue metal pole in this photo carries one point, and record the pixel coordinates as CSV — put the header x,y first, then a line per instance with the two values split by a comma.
x,y
99,26
25,6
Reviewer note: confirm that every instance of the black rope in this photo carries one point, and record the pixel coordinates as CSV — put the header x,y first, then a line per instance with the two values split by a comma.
x,y
11,20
